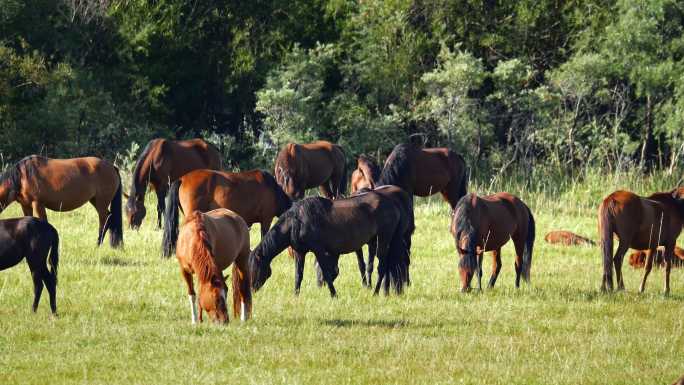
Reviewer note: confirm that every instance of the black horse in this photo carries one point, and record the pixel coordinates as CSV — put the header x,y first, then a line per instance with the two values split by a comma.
x,y
329,228
38,242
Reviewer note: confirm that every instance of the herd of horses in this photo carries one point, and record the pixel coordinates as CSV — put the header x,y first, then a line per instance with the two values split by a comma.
x,y
220,207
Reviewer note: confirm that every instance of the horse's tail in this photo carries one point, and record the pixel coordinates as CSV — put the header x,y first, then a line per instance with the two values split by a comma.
x,y
398,261
606,238
53,257
115,223
529,245
171,220
242,293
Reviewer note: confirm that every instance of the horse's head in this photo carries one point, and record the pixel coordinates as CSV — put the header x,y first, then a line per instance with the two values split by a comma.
x,y
287,179
465,236
259,268
212,299
135,211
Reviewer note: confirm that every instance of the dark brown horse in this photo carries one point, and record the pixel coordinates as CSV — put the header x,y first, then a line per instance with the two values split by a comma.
x,y
426,171
254,195
208,243
638,258
366,174
299,167
37,183
38,242
482,224
642,224
567,238
161,163
329,228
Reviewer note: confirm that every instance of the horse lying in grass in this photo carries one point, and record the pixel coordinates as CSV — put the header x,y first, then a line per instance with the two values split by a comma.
x,y
207,244
641,224
567,238
37,183
481,224
366,174
38,242
329,228
638,258
161,163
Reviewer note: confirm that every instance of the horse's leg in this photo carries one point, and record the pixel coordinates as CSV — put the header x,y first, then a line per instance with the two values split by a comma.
x,y
382,249
299,258
161,205
647,268
372,250
37,275
103,215
191,294
39,211
617,262
480,257
362,266
265,225
327,263
669,250
519,246
27,209
496,266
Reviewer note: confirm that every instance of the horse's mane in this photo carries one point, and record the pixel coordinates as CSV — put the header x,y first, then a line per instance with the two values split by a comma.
x,y
138,168
282,200
397,166
14,172
463,213
202,258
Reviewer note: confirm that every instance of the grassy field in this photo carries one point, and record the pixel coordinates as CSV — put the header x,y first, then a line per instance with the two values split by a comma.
x,y
124,316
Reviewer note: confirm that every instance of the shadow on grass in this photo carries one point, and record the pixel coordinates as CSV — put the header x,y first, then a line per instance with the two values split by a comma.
x,y
116,261
348,323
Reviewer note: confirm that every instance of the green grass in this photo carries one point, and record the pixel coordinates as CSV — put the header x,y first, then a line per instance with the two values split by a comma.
x,y
124,316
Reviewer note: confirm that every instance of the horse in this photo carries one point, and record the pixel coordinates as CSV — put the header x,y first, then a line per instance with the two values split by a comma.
x,y
426,171
481,224
207,244
37,183
365,175
567,238
299,167
38,242
642,224
254,195
638,258
161,163
329,228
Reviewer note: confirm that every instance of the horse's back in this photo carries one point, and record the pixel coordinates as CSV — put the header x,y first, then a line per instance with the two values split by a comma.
x,y
229,235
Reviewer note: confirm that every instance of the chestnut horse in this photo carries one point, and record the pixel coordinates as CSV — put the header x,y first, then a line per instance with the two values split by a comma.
x,y
207,244
638,258
481,224
366,174
329,228
642,224
299,167
37,183
567,238
254,195
38,242
161,163
426,171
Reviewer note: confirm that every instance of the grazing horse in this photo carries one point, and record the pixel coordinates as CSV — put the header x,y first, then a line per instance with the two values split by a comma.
x,y
426,171
161,163
642,224
254,195
207,244
299,167
37,183
38,242
329,228
638,258
366,174
567,238
481,224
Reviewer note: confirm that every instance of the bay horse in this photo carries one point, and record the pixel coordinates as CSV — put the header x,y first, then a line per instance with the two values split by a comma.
x,y
426,171
38,242
299,167
254,195
207,244
37,183
161,163
329,228
481,224
567,238
365,175
638,258
642,224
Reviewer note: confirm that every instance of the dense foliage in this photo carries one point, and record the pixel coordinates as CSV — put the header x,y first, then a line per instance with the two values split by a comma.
x,y
559,84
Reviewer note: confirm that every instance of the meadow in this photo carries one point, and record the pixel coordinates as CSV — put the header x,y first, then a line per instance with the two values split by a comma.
x,y
123,315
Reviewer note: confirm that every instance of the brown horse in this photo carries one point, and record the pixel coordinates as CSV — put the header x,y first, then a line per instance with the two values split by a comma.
x,y
38,242
37,183
642,224
481,224
366,174
567,238
299,167
208,243
254,195
161,163
426,171
638,258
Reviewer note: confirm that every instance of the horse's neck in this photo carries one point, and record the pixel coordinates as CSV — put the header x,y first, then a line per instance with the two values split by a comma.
x,y
143,177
